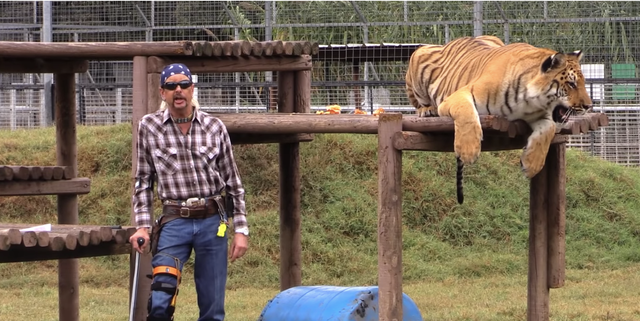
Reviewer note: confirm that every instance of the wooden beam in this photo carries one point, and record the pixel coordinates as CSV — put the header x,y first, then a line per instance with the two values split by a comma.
x,y
6,173
66,155
101,233
537,287
302,91
239,139
94,50
444,142
556,190
233,64
52,187
24,173
389,219
154,99
28,254
40,65
289,193
146,95
277,123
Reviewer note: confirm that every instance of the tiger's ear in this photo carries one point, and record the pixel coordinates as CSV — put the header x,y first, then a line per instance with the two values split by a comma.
x,y
554,61
578,54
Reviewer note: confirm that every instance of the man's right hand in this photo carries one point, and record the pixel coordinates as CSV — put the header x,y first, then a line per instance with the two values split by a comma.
x,y
142,232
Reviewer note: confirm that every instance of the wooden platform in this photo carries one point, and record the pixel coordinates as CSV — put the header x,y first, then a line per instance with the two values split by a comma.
x,y
62,242
41,180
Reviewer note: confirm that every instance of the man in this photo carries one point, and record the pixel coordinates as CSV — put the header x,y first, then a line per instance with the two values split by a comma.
x,y
189,153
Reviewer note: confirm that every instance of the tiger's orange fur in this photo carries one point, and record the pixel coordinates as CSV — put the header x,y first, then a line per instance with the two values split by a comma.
x,y
471,76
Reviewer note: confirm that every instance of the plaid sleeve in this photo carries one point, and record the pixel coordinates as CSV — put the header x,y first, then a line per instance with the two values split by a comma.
x,y
143,189
231,176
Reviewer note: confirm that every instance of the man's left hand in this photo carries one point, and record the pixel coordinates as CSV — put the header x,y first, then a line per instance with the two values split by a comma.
x,y
238,246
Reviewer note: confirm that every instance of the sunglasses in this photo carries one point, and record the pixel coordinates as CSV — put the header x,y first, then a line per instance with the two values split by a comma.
x,y
184,84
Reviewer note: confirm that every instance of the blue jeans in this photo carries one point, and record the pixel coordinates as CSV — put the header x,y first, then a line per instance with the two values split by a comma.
x,y
177,239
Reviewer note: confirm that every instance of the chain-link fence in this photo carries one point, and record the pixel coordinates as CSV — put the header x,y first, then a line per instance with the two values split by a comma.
x,y
349,71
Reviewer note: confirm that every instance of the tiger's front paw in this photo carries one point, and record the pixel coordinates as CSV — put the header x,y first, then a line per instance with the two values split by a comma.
x,y
467,142
428,111
532,161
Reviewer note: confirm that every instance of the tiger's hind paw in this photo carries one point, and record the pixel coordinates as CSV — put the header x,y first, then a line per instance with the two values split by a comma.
x,y
467,142
427,111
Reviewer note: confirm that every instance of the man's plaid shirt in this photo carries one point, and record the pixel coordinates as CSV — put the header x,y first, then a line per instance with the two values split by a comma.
x,y
198,164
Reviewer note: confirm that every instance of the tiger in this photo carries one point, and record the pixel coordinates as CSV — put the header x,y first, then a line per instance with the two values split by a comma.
x,y
474,76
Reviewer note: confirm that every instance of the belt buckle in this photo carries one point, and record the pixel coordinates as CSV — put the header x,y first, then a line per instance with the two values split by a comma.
x,y
194,201
185,212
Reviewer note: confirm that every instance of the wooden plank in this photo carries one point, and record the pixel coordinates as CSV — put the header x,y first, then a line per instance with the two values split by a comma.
x,y
239,139
444,142
70,240
5,244
43,239
41,65
234,64
6,174
389,219
94,50
275,123
556,190
57,173
22,254
57,242
29,239
257,48
52,187
20,172
537,284
14,235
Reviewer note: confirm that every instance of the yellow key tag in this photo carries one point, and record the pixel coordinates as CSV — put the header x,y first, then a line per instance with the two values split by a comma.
x,y
222,229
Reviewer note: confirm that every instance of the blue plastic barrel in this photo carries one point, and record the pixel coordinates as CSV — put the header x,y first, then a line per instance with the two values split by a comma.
x,y
331,303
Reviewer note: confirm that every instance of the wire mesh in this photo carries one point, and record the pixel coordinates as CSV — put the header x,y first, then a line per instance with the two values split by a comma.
x,y
605,31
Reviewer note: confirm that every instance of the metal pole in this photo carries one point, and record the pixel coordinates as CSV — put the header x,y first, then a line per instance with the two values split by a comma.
x,y
46,115
269,17
477,18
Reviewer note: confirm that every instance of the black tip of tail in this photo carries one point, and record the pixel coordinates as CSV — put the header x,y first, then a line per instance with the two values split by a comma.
x,y
459,180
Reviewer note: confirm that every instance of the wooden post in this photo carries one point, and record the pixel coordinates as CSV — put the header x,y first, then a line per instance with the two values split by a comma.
x,y
537,287
302,92
290,239
389,218
153,92
66,154
556,182
140,103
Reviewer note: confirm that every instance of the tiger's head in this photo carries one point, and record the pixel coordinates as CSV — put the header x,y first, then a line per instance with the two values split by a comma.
x,y
568,81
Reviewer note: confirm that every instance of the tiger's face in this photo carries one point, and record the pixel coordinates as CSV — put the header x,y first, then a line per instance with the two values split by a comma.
x,y
572,93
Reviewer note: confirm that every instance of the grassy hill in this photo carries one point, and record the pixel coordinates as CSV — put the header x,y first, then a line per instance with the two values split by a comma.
x,y
486,236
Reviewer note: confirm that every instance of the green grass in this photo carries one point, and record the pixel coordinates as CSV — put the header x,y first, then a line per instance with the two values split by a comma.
x,y
473,254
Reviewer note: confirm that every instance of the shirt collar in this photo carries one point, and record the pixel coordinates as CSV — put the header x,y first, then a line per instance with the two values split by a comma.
x,y
196,115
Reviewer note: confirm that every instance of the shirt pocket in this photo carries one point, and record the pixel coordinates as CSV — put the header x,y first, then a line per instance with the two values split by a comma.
x,y
209,155
166,160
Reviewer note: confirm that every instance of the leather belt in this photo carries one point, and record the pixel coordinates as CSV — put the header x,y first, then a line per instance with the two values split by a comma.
x,y
191,208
